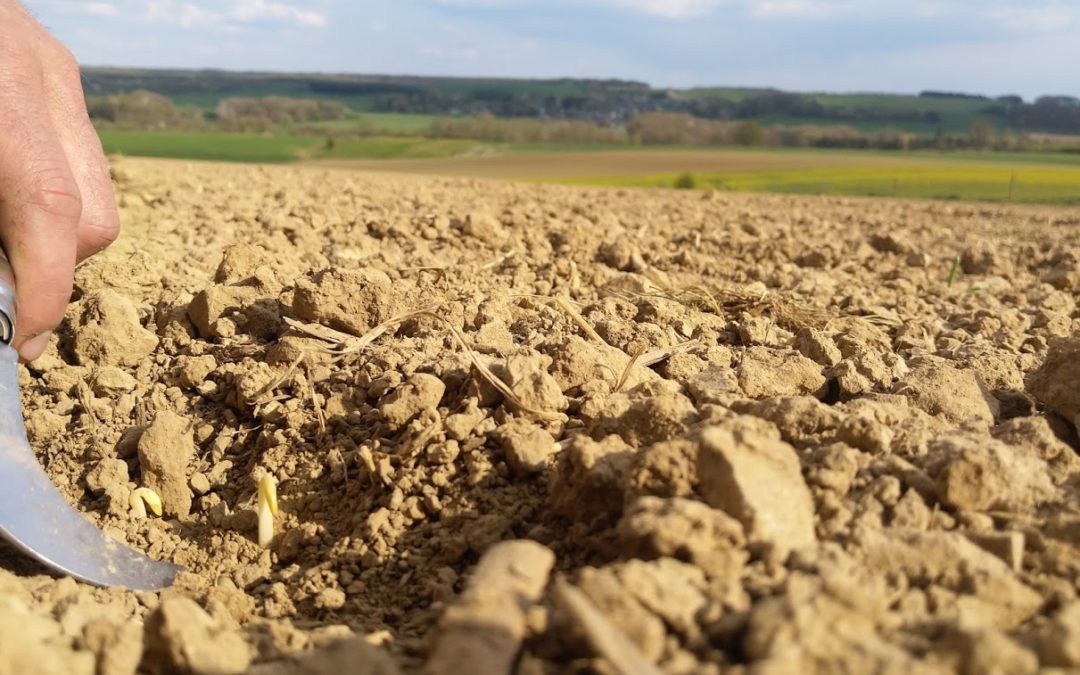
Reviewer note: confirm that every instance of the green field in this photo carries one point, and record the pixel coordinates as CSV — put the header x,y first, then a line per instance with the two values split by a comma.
x,y
1022,177
273,148
932,180
207,145
385,123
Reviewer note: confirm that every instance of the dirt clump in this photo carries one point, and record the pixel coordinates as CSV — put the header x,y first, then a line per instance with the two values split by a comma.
x,y
354,301
420,392
552,429
110,332
1054,383
941,389
166,451
767,372
756,478
183,638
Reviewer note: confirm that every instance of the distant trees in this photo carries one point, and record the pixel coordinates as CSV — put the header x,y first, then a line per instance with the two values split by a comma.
x,y
749,132
525,130
952,94
261,114
981,134
142,109
607,102
1055,114
679,129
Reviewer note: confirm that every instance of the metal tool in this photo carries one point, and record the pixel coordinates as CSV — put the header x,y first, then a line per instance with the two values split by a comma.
x,y
33,514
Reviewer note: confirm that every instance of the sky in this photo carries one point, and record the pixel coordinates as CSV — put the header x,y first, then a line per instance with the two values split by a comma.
x,y
991,47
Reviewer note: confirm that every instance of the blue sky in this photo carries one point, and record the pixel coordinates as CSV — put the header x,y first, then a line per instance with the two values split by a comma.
x,y
982,46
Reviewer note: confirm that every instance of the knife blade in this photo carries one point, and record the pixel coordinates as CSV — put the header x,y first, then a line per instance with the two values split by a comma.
x,y
34,516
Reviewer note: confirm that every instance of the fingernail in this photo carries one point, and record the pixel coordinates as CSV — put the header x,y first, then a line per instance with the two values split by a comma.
x,y
35,346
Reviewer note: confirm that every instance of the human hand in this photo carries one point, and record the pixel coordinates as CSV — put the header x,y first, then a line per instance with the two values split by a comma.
x,y
56,199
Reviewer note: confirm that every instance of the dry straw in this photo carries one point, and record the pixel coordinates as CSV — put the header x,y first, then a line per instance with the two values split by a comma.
x,y
349,344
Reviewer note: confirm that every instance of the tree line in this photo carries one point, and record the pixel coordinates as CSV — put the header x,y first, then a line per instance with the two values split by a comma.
x,y
662,128
150,111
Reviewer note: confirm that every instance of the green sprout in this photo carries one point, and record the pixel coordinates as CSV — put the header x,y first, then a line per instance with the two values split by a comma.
x,y
955,271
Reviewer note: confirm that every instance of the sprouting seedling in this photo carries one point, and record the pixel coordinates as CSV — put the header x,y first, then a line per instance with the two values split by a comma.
x,y
267,508
141,498
954,271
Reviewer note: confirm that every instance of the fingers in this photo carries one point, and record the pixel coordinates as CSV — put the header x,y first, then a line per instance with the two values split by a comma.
x,y
99,224
40,208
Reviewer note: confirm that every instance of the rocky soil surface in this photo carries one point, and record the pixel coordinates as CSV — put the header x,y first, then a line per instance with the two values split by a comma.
x,y
525,429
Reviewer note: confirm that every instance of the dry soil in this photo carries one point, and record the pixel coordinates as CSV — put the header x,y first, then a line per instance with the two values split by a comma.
x,y
535,429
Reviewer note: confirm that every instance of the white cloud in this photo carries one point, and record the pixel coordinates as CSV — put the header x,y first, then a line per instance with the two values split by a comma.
x,y
232,15
260,10
671,9
1039,16
98,8
1048,18
80,7
454,53
783,9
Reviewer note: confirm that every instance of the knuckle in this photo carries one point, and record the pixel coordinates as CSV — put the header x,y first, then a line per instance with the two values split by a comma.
x,y
100,231
65,66
54,191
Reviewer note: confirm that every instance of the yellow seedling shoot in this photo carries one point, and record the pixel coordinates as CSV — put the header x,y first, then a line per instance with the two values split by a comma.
x,y
267,508
140,499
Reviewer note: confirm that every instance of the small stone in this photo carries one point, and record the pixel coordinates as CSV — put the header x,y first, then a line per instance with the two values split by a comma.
x,y
420,392
105,474
110,381
193,370
199,483
460,426
330,598
528,447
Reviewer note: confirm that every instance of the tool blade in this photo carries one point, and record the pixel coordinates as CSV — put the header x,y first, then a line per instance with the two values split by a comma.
x,y
35,517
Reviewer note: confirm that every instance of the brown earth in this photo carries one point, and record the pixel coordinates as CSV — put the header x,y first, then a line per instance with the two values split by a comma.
x,y
537,429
